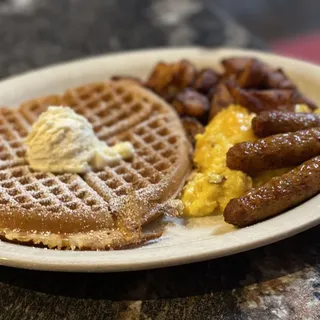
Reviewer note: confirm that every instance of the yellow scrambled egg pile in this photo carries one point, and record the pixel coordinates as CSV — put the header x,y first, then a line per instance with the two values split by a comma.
x,y
214,184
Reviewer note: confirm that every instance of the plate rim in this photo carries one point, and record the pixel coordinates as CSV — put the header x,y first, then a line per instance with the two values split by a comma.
x,y
100,264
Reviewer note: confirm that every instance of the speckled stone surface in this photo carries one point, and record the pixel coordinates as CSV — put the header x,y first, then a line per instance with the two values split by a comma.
x,y
280,281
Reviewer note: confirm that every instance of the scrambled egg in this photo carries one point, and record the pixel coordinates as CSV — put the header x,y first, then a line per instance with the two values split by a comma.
x,y
214,184
265,176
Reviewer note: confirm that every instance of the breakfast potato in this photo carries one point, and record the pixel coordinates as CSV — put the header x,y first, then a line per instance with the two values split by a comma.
x,y
235,65
253,75
192,128
211,93
221,99
229,79
246,81
206,80
277,79
274,99
191,103
167,79
261,100
266,76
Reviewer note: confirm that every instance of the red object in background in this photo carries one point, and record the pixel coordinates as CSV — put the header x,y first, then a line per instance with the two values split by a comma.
x,y
306,47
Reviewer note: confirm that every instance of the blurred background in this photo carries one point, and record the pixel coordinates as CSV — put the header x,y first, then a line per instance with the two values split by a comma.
x,y
36,33
290,27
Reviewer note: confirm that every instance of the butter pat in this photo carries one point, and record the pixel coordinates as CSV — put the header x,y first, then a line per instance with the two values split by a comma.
x,y
63,141
124,149
301,108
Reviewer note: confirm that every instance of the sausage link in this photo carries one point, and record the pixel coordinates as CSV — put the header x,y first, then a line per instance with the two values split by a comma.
x,y
278,151
268,123
275,196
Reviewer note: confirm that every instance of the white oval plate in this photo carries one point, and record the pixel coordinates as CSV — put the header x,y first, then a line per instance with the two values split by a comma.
x,y
200,239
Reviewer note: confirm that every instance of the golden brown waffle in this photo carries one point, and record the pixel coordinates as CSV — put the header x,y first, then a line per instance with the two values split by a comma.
x,y
102,209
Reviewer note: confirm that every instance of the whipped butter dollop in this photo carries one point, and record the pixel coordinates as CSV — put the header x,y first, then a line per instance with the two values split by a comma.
x,y
63,141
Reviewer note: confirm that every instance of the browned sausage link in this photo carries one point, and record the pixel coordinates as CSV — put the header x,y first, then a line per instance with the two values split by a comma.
x,y
278,151
268,123
275,196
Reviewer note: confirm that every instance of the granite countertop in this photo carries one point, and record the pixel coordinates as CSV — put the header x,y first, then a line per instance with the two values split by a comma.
x,y
279,281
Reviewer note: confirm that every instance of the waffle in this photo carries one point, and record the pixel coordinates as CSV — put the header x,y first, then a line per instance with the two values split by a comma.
x,y
98,210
